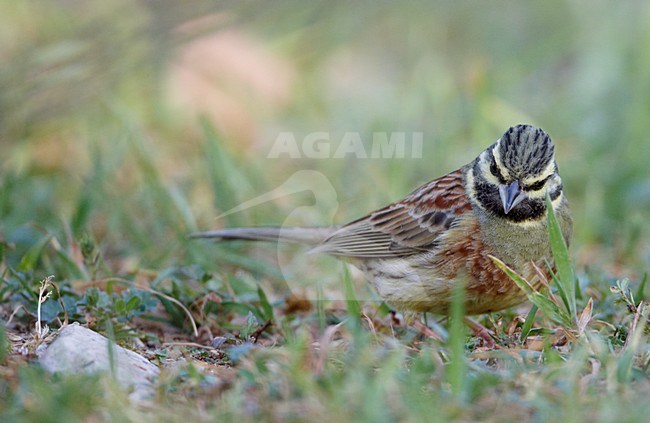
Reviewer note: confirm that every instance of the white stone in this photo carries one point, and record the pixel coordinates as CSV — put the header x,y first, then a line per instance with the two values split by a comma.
x,y
77,349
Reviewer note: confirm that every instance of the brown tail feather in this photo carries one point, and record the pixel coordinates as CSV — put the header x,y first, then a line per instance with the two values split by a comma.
x,y
308,236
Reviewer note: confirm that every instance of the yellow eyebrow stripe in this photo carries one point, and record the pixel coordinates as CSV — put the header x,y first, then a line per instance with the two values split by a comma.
x,y
546,173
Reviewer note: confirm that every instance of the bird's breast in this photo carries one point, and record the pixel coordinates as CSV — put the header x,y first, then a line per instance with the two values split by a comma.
x,y
426,281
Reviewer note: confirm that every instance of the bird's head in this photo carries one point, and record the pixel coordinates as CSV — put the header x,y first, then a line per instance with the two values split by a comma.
x,y
510,178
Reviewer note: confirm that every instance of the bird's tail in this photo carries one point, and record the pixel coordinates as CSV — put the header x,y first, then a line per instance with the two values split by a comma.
x,y
307,236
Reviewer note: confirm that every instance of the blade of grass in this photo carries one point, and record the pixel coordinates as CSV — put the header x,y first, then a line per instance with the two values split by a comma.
x,y
457,366
264,303
566,277
585,316
528,323
176,213
228,182
548,307
640,293
28,261
4,344
521,282
558,285
633,343
320,308
354,309
110,334
70,265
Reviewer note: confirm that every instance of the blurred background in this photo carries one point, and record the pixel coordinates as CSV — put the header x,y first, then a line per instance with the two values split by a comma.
x,y
133,123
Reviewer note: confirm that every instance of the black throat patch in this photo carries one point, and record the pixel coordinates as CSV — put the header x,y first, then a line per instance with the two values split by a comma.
x,y
487,195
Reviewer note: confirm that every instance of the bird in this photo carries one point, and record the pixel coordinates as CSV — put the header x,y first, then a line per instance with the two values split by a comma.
x,y
417,250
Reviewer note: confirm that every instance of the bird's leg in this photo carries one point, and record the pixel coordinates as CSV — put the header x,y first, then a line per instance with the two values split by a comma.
x,y
477,330
426,330
481,331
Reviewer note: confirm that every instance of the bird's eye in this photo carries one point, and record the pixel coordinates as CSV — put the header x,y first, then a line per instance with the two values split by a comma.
x,y
494,169
537,185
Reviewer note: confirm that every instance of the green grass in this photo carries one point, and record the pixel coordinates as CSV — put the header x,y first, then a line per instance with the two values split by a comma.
x,y
104,172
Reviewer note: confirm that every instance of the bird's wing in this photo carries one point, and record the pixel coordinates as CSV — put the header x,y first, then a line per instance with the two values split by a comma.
x,y
406,227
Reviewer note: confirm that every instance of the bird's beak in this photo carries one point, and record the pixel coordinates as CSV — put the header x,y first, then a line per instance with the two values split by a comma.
x,y
511,195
